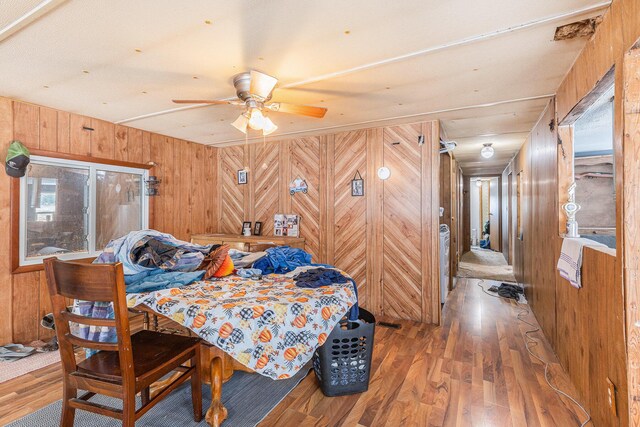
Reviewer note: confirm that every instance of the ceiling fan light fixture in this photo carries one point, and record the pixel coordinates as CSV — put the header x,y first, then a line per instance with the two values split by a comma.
x,y
269,127
256,120
241,123
487,150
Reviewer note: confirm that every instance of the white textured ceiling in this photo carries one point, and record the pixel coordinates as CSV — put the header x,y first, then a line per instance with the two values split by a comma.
x,y
368,62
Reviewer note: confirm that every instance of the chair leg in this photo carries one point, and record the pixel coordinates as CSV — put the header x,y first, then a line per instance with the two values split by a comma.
x,y
68,413
217,413
196,386
145,395
129,410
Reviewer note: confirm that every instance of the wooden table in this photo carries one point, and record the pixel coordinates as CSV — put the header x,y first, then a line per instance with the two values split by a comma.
x,y
247,243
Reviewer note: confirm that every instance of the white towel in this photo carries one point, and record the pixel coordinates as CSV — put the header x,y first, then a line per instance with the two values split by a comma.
x,y
570,262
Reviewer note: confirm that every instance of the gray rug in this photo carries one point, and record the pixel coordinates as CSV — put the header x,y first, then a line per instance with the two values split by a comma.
x,y
248,399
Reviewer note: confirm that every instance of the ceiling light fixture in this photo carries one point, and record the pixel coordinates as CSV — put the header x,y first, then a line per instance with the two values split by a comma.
x,y
487,150
241,123
478,183
255,120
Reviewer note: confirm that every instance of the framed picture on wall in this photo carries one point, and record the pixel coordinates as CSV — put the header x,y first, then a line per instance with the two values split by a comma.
x,y
357,185
243,176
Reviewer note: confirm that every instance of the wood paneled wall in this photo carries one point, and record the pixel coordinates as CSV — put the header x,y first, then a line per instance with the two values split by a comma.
x,y
587,326
186,204
387,240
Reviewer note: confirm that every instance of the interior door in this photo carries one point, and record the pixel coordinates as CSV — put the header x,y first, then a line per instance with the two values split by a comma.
x,y
494,214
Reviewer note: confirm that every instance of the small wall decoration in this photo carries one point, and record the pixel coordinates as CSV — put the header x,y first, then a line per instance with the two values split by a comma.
x,y
570,209
246,228
298,185
257,228
286,225
152,184
243,176
357,185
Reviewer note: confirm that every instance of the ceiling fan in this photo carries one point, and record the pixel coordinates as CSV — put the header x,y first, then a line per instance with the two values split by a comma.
x,y
254,90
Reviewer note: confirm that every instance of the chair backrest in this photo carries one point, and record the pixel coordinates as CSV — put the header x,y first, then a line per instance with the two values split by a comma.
x,y
89,282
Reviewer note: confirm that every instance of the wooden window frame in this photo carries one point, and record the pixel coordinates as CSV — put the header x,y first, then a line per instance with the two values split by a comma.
x,y
565,145
15,203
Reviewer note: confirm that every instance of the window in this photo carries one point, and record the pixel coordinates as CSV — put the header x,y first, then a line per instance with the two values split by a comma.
x,y
72,209
593,170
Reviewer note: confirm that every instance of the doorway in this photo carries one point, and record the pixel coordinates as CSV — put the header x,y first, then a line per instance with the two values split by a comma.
x,y
485,213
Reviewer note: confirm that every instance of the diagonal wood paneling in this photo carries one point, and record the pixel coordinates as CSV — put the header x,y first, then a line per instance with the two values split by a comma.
x,y
232,197
305,163
350,213
386,240
266,181
402,269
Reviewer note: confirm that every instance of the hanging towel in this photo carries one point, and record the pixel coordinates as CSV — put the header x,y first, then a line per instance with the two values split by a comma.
x,y
570,262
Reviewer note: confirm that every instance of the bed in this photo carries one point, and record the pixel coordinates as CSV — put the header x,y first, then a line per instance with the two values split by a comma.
x,y
268,326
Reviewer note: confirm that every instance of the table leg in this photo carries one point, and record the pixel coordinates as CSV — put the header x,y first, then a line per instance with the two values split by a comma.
x,y
217,413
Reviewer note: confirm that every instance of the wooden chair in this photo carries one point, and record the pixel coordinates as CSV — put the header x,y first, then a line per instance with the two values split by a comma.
x,y
122,369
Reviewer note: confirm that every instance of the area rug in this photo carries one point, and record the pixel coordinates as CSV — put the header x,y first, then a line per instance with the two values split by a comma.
x,y
485,264
248,398
11,370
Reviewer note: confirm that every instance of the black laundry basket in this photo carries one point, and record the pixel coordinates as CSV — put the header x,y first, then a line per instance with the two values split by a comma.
x,y
343,363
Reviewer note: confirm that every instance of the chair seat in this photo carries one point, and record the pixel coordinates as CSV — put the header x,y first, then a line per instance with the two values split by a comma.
x,y
150,351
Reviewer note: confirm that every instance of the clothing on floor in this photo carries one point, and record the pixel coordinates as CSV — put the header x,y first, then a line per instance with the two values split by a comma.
x,y
570,261
507,290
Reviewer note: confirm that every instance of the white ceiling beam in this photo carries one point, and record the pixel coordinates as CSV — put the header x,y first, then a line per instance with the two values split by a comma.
x,y
404,57
28,18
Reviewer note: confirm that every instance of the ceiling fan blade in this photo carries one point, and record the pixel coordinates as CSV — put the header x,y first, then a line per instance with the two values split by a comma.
x,y
261,84
301,110
200,101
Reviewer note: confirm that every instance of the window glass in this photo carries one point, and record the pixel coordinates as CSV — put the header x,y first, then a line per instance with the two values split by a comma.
x,y
72,209
56,210
118,205
593,171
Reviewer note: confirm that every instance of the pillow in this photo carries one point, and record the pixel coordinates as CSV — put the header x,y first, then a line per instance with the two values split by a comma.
x,y
212,262
225,269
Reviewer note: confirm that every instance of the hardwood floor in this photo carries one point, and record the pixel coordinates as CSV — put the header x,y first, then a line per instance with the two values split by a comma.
x,y
473,370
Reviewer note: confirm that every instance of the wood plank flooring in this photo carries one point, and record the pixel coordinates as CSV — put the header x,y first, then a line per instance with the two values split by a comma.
x,y
472,371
